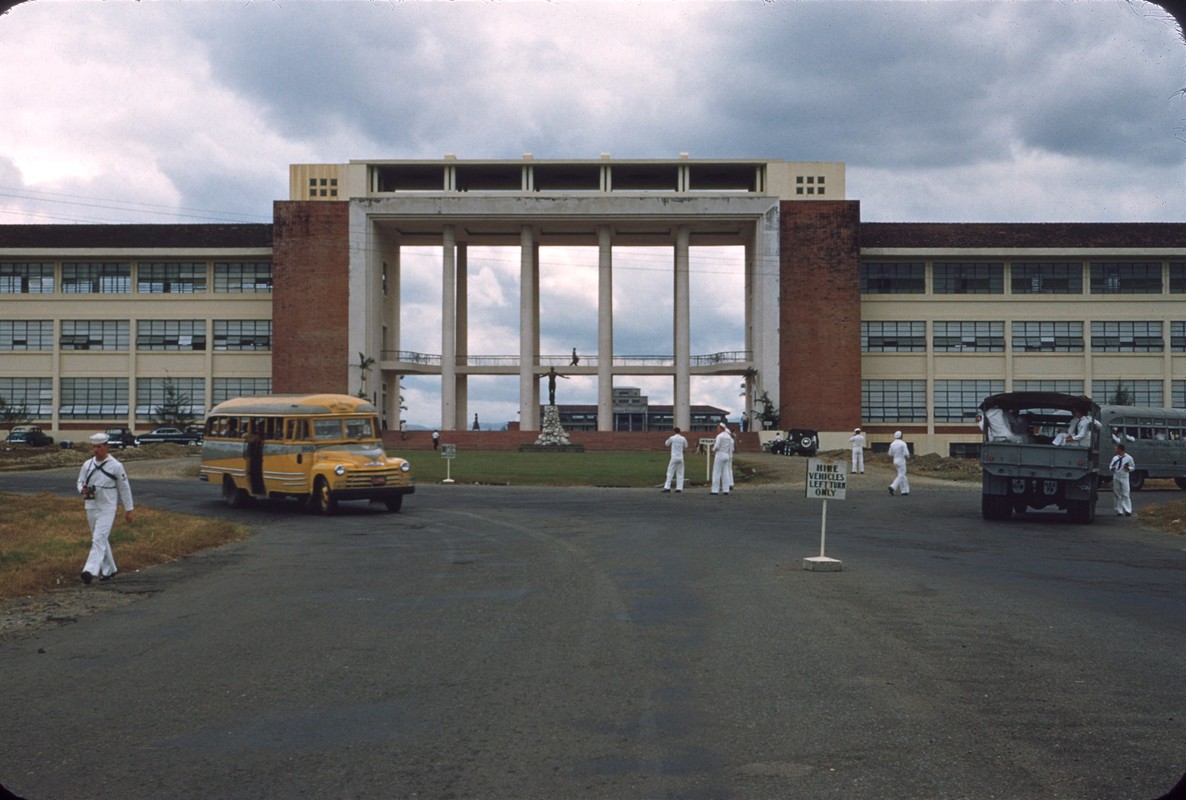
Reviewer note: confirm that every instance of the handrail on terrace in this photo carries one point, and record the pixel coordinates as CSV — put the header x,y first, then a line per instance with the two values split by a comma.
x,y
433,359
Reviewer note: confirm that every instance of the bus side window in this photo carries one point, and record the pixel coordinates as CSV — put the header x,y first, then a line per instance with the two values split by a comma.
x,y
298,430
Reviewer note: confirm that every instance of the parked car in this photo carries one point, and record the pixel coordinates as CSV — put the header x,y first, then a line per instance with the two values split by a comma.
x,y
798,442
170,436
119,438
30,435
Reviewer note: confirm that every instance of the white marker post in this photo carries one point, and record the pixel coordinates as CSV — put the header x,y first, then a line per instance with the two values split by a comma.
x,y
707,445
826,480
448,452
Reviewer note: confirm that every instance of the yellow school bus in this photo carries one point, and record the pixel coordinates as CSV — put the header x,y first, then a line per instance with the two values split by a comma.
x,y
317,448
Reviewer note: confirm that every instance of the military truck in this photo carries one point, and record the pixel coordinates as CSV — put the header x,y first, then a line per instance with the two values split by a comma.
x,y
1030,459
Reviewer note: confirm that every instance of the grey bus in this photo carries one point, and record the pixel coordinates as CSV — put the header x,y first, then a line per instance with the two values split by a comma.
x,y
1154,437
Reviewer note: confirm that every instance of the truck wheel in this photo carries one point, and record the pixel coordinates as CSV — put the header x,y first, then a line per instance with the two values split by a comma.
x,y
1137,480
995,507
323,499
232,495
1081,511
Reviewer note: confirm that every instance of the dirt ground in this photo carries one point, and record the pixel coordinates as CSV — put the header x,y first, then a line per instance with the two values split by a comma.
x,y
179,461
771,468
149,461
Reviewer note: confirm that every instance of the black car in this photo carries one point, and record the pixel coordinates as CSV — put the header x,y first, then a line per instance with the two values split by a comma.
x,y
118,438
798,442
169,435
30,435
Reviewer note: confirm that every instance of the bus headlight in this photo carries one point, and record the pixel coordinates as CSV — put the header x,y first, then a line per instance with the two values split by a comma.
x,y
340,469
406,467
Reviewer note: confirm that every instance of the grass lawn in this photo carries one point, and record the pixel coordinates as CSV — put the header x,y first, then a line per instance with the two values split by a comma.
x,y
544,469
44,541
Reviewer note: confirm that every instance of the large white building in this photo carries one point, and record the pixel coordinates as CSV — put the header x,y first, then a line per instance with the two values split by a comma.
x,y
884,325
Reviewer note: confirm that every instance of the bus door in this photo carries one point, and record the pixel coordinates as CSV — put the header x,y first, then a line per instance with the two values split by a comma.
x,y
254,453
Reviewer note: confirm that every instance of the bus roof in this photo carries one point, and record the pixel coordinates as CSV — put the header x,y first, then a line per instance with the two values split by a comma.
x,y
1109,412
295,404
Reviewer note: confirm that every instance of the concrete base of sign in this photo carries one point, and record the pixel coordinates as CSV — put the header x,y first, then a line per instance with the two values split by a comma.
x,y
447,480
822,564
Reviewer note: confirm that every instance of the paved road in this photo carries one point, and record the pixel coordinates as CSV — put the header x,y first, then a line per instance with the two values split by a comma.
x,y
528,643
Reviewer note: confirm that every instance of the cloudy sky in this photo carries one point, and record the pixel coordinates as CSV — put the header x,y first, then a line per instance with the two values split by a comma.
x,y
943,111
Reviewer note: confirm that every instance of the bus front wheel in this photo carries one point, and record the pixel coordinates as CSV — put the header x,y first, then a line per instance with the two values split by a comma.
x,y
323,498
232,495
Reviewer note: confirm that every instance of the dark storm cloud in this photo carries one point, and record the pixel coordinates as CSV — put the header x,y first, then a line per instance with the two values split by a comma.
x,y
934,85
870,83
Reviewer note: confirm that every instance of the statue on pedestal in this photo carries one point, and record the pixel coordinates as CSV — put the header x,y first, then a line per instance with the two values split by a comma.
x,y
552,376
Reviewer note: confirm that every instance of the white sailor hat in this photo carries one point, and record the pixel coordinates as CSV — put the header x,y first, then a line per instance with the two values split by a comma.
x,y
100,438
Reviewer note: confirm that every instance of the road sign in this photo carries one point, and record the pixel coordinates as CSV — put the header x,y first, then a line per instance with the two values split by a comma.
x,y
448,452
826,479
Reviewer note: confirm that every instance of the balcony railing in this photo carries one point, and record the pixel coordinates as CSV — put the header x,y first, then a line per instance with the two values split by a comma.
x,y
723,358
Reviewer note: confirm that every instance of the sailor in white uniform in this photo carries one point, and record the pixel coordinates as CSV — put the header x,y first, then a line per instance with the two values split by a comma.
x,y
722,461
899,452
857,440
675,467
103,482
1122,466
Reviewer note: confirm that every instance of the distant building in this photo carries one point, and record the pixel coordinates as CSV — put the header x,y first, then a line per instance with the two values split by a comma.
x,y
633,412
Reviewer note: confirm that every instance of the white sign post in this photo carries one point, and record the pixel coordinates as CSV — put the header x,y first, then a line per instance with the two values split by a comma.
x,y
826,480
448,452
707,445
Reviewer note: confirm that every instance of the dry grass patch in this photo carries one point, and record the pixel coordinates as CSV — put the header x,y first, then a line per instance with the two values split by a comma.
x,y
44,541
1169,517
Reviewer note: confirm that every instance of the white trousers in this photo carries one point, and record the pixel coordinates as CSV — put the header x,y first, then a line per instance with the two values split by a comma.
x,y
1121,493
675,469
858,459
100,561
722,474
901,483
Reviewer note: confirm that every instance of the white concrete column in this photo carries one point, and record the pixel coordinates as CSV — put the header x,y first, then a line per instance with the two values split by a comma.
x,y
682,404
528,330
762,313
462,328
448,329
391,344
605,329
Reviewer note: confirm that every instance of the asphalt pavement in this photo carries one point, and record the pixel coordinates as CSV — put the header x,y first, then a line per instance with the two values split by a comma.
x,y
503,642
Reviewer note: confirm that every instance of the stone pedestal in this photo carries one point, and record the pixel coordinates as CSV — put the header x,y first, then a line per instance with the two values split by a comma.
x,y
552,433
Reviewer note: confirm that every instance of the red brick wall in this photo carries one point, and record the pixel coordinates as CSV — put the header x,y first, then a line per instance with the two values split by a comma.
x,y
820,310
310,297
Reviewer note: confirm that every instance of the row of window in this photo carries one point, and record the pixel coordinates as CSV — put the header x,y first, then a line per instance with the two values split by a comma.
x,y
1023,277
151,334
1027,337
957,400
108,398
119,277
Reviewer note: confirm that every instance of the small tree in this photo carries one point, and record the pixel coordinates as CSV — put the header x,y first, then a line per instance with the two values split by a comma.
x,y
365,363
1120,397
176,409
768,415
13,414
